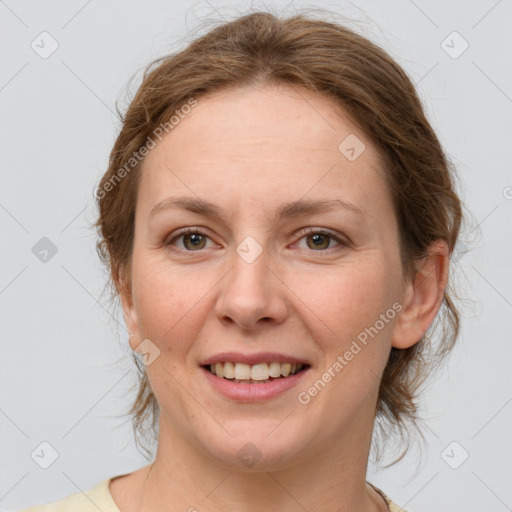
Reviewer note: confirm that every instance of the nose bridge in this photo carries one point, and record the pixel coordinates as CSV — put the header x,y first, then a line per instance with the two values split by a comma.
x,y
250,292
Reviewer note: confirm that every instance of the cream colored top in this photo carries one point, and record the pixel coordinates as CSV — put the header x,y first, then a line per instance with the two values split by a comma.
x,y
99,498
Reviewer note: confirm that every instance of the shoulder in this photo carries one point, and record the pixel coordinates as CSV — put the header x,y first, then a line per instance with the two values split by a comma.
x,y
97,498
393,507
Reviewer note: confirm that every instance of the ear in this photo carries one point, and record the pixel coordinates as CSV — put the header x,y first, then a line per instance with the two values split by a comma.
x,y
129,312
422,296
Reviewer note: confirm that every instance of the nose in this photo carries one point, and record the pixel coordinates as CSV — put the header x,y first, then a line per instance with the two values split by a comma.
x,y
251,294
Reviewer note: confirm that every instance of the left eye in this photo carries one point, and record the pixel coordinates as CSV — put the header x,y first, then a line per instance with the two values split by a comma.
x,y
320,239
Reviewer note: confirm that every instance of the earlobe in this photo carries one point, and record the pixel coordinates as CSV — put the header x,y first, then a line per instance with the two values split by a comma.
x,y
422,297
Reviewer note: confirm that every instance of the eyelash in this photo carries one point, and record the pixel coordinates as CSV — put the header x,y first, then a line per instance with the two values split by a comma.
x,y
302,234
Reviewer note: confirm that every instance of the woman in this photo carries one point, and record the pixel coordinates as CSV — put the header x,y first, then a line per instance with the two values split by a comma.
x,y
277,217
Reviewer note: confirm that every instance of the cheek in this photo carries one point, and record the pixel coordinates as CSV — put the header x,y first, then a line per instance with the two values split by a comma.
x,y
350,298
167,303
353,338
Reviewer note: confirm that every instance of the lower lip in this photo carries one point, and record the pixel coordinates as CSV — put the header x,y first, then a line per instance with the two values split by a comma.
x,y
253,392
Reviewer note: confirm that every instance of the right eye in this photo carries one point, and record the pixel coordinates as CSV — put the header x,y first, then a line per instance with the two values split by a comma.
x,y
193,240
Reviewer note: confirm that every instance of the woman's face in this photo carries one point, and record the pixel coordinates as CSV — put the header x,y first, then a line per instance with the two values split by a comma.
x,y
269,278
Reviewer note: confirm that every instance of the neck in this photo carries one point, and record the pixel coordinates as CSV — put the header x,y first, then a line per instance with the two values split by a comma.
x,y
327,477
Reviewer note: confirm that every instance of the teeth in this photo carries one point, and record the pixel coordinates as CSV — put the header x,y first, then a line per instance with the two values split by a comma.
x,y
256,372
285,369
275,370
242,371
259,372
228,371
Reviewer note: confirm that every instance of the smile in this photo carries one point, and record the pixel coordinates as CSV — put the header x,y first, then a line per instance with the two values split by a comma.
x,y
255,373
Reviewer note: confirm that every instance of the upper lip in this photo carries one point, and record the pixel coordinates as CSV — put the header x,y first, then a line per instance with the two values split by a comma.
x,y
260,357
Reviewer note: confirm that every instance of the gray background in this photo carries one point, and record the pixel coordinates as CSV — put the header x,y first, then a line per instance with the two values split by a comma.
x,y
65,371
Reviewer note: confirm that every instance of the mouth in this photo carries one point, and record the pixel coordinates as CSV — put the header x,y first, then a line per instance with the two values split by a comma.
x,y
260,373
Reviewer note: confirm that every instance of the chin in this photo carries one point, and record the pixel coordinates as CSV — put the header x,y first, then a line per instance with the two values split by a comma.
x,y
258,449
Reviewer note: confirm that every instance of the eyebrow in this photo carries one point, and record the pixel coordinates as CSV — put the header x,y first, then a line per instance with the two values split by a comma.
x,y
301,207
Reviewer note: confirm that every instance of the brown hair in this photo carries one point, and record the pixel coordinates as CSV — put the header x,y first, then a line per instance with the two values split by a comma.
x,y
361,78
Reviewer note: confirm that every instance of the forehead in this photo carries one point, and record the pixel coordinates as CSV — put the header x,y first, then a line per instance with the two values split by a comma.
x,y
262,142
274,118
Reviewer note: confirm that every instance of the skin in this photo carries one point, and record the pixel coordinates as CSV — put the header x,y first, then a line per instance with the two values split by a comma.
x,y
249,151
